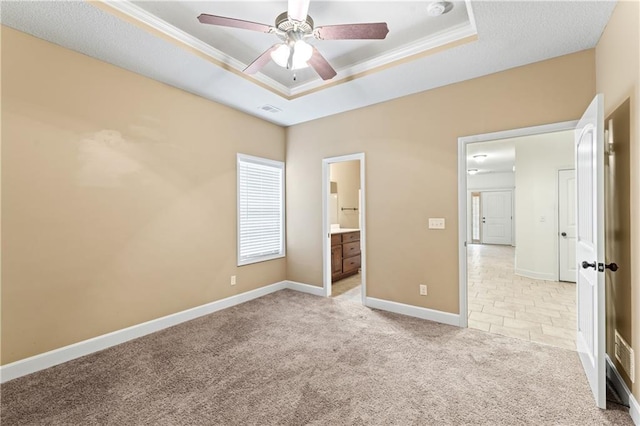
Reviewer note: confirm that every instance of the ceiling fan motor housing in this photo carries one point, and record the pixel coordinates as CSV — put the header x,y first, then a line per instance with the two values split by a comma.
x,y
286,25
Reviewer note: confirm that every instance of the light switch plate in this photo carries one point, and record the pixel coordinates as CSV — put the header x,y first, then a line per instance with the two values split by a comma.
x,y
436,223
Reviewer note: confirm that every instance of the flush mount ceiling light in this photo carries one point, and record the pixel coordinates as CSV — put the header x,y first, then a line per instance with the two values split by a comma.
x,y
439,8
472,171
480,157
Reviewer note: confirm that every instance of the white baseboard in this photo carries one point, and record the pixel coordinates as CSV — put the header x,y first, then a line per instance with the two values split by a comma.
x,y
536,275
616,381
634,410
413,311
45,360
67,353
625,394
305,288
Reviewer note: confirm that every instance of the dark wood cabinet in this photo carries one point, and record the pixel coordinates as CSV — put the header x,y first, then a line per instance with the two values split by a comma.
x,y
345,255
336,260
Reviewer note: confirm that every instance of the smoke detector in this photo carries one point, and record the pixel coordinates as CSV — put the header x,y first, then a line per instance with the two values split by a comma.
x,y
439,8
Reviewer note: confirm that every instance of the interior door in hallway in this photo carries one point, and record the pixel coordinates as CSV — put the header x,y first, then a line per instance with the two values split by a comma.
x,y
567,225
496,217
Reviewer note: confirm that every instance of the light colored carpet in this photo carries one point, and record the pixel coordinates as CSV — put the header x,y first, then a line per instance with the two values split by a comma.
x,y
292,359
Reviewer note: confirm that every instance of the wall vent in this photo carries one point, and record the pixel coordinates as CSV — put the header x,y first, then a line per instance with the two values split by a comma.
x,y
625,356
270,108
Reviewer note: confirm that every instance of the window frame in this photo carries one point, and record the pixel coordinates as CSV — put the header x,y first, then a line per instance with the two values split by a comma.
x,y
240,158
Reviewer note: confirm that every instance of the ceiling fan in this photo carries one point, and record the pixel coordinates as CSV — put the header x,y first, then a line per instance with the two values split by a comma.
x,y
293,28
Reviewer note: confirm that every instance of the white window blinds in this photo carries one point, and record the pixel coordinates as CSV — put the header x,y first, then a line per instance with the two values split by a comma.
x,y
260,209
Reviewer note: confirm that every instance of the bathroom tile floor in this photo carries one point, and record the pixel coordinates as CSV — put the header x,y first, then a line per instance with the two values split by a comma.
x,y
502,302
348,289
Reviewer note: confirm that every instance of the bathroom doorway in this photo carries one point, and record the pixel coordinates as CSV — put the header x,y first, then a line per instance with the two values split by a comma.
x,y
343,228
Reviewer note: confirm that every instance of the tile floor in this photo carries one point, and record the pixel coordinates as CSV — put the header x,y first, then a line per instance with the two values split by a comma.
x,y
348,289
504,303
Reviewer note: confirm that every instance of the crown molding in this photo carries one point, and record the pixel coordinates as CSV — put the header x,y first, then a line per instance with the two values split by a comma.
x,y
173,32
398,55
443,40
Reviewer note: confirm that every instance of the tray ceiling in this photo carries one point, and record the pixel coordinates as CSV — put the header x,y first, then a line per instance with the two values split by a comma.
x,y
164,41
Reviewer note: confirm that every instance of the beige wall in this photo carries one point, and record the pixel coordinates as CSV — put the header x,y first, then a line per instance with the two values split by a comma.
x,y
347,176
618,77
119,198
411,171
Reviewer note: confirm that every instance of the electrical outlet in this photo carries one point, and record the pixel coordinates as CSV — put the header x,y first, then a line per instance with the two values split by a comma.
x,y
233,280
423,290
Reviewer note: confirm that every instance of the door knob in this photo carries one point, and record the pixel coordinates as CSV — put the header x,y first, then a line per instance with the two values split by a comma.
x,y
612,266
586,265
564,234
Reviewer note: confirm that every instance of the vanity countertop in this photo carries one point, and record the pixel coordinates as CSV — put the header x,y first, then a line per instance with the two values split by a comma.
x,y
343,231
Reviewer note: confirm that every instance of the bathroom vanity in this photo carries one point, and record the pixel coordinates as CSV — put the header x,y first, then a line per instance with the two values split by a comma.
x,y
345,253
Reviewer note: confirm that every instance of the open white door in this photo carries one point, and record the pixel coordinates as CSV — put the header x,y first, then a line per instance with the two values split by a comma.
x,y
590,246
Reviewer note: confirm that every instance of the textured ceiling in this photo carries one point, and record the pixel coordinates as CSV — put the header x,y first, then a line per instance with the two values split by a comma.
x,y
510,34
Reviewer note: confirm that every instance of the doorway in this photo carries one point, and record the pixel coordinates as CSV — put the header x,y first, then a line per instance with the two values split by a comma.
x,y
510,269
344,231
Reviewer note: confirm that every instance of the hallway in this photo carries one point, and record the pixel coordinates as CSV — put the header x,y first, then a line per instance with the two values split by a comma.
x,y
504,303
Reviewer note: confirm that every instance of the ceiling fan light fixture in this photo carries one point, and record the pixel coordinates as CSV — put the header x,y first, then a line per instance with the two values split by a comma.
x,y
302,52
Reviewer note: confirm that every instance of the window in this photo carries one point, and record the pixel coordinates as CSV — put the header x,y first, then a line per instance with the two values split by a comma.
x,y
260,209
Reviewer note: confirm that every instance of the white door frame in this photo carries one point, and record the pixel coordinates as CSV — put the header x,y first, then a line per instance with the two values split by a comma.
x,y
462,193
326,226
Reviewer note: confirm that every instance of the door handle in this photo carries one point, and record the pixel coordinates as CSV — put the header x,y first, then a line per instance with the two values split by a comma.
x,y
564,234
612,266
586,265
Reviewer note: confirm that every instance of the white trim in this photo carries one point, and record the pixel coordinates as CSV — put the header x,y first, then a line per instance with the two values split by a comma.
x,y
462,193
67,353
423,45
304,288
413,311
462,231
517,133
634,410
545,276
616,380
623,391
326,238
141,15
45,360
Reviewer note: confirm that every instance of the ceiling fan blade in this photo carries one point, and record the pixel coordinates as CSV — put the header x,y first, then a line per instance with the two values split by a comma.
x,y
260,61
298,10
373,31
233,23
320,64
